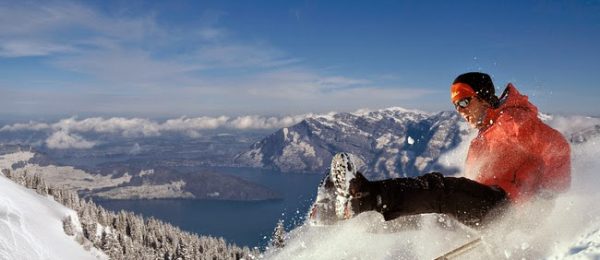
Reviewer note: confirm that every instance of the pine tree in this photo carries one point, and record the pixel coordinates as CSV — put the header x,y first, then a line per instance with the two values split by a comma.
x,y
40,186
68,226
111,246
7,173
20,178
183,250
89,230
126,244
278,239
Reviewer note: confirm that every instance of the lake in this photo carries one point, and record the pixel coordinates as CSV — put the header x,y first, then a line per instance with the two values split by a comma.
x,y
240,222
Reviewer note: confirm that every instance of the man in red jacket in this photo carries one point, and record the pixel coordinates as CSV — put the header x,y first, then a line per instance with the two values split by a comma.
x,y
514,157
514,148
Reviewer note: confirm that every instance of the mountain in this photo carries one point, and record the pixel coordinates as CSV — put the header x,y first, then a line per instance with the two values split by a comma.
x,y
390,142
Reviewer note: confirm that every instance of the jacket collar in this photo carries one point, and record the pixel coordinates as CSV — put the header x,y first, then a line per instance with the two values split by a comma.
x,y
511,98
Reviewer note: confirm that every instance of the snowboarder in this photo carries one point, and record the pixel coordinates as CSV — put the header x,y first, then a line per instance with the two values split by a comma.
x,y
514,158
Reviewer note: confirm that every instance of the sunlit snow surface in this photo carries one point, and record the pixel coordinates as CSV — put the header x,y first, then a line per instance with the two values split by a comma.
x,y
31,225
568,229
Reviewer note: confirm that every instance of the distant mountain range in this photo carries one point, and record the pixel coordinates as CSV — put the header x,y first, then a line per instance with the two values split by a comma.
x,y
391,142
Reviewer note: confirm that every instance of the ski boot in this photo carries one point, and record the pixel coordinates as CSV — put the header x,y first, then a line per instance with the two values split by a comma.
x,y
342,194
343,170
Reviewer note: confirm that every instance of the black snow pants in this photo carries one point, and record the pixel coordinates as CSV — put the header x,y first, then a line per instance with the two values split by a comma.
x,y
466,200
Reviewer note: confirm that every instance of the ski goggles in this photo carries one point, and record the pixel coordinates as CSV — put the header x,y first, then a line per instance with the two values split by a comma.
x,y
463,103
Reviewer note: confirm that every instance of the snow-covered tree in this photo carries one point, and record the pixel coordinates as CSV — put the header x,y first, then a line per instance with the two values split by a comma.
x,y
40,185
111,246
7,173
278,239
68,226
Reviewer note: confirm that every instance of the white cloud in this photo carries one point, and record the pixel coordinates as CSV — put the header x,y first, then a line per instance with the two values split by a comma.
x,y
62,131
30,48
260,122
66,140
183,123
32,126
116,125
341,81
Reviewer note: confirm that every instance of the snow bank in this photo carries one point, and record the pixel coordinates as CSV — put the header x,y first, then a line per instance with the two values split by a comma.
x,y
368,236
576,218
566,228
31,227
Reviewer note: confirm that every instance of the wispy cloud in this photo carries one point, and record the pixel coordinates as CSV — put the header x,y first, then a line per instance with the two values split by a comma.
x,y
49,27
66,140
236,56
117,125
338,81
31,126
31,48
136,64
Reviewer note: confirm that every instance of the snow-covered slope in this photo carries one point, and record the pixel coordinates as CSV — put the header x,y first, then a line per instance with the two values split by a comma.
x,y
568,229
31,225
392,142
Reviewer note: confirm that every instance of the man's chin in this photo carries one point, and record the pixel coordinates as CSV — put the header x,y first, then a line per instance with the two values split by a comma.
x,y
472,122
475,125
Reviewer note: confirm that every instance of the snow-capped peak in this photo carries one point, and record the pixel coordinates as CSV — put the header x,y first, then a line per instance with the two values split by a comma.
x,y
393,142
366,111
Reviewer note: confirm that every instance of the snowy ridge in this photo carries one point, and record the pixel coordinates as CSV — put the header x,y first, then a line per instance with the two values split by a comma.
x,y
31,227
391,142
366,111
568,228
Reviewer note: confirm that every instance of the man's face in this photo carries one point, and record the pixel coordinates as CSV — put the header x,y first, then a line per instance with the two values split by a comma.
x,y
473,110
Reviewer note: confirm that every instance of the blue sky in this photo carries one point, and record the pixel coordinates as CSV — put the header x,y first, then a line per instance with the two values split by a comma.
x,y
174,58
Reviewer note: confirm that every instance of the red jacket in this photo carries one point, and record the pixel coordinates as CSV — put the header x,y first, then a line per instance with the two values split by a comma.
x,y
518,152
